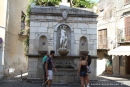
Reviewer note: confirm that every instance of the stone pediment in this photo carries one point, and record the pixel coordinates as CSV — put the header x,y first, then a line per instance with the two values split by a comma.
x,y
58,11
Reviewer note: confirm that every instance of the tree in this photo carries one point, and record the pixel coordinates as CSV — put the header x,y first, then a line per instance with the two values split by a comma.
x,y
46,2
83,3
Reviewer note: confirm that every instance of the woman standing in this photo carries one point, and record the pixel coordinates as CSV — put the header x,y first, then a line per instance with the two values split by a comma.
x,y
82,70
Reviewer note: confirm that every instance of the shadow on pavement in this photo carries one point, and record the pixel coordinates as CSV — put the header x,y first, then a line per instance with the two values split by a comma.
x,y
106,81
103,81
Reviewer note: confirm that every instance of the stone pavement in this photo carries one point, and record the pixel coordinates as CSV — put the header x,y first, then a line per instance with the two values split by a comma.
x,y
103,81
18,83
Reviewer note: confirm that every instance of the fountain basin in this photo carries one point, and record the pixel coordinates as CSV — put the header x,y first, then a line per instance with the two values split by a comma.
x,y
42,52
84,53
63,52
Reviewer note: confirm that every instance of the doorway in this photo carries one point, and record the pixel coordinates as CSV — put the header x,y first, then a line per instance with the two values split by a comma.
x,y
127,65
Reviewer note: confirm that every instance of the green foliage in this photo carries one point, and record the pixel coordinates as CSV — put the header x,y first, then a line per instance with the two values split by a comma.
x,y
30,1
28,10
26,43
46,2
76,3
83,3
28,15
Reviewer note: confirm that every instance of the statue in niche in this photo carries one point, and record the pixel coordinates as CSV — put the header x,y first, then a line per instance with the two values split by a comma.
x,y
63,37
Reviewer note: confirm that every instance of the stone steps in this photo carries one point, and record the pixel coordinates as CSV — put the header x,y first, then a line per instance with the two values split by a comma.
x,y
65,85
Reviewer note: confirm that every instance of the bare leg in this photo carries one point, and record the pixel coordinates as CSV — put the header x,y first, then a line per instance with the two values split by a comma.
x,y
49,83
46,82
82,81
44,77
86,79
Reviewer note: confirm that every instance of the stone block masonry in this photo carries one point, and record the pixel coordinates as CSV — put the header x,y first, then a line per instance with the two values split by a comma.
x,y
46,24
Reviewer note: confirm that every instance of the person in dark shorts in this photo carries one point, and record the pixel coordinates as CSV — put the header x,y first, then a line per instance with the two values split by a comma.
x,y
82,70
49,68
44,70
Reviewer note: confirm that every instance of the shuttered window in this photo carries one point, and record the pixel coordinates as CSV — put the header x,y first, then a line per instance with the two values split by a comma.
x,y
102,39
126,2
127,28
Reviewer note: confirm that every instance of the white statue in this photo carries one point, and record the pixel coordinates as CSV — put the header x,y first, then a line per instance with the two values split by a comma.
x,y
63,37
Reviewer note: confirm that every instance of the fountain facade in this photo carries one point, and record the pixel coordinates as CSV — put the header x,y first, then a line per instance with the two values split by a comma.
x,y
70,32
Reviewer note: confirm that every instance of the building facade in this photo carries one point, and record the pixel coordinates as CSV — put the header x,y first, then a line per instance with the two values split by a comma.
x,y
113,31
12,49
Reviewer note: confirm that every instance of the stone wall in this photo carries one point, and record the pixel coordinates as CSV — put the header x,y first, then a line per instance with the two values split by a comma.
x,y
35,69
46,23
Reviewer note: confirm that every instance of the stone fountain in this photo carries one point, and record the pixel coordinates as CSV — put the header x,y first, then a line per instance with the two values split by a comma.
x,y
70,32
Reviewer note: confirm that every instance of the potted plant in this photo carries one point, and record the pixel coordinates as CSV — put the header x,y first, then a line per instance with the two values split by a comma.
x,y
122,40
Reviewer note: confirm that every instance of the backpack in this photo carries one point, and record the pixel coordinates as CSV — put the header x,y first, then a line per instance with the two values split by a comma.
x,y
89,60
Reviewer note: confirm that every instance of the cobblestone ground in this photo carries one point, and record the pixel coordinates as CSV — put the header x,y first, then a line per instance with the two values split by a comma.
x,y
14,83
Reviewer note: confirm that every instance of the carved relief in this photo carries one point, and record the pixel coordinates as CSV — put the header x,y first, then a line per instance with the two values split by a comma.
x,y
64,14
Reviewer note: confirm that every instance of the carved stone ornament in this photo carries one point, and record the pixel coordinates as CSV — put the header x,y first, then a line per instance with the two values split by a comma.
x,y
64,14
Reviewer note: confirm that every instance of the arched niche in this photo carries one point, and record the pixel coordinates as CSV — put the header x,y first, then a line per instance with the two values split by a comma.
x,y
58,36
71,38
83,46
43,43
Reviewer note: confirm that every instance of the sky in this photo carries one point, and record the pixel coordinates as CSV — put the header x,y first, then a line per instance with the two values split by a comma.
x,y
95,0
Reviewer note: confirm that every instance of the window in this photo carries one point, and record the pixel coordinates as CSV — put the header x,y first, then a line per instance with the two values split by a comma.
x,y
23,16
127,2
127,28
102,39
